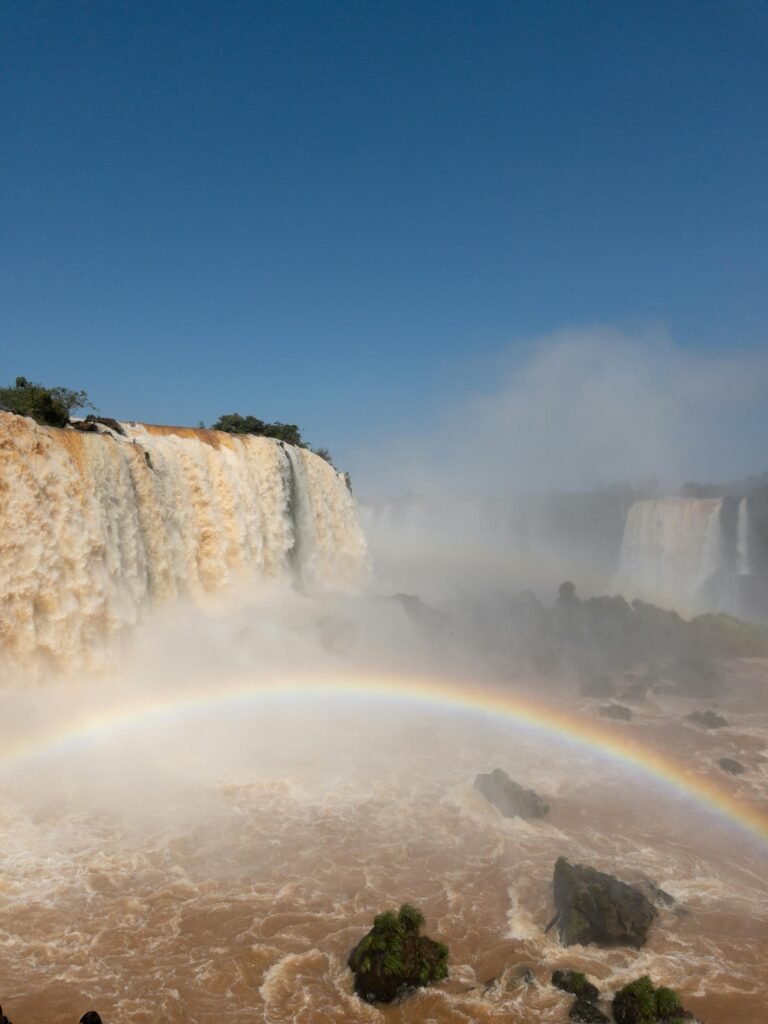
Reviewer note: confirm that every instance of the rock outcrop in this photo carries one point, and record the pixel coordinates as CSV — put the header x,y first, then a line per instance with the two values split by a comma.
x,y
509,797
394,958
617,711
584,1011
640,1002
3,1018
709,719
593,907
731,767
576,983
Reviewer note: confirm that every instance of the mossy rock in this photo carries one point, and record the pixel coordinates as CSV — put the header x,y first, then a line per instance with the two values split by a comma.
x,y
640,1002
594,907
394,958
576,983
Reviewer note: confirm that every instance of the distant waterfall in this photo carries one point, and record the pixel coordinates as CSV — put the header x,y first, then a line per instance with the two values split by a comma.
x,y
95,528
742,539
671,547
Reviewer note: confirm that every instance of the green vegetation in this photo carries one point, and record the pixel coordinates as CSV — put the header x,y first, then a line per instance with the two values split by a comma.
x,y
730,636
578,981
668,1005
641,1003
394,948
49,406
234,423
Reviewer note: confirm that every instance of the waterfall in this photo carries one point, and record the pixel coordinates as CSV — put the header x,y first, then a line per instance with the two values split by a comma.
x,y
96,528
671,547
742,539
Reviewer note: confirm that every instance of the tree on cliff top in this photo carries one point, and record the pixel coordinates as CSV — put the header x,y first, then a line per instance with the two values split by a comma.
x,y
50,406
234,423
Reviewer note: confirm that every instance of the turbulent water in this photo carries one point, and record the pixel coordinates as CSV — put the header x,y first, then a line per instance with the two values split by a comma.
x,y
96,528
248,853
219,865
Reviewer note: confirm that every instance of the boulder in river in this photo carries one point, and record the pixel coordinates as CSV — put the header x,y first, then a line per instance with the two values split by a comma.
x,y
576,983
394,958
3,1018
709,719
640,1002
593,907
584,1011
617,711
509,797
732,767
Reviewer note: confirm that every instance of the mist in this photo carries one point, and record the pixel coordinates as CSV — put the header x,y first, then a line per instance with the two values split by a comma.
x,y
481,499
580,409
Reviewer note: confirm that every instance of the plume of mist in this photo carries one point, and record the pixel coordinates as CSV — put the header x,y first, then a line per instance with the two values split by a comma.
x,y
585,408
580,410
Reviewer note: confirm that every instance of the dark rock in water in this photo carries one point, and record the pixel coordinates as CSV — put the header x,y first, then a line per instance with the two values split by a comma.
x,y
732,767
576,983
3,1018
709,719
655,893
85,426
584,1011
106,421
616,711
640,1003
394,959
91,1017
593,907
509,797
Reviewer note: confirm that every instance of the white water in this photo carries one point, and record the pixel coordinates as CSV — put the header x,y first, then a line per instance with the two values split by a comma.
x,y
742,539
670,548
97,528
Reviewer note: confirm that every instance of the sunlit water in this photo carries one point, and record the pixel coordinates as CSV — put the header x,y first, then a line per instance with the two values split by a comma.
x,y
222,868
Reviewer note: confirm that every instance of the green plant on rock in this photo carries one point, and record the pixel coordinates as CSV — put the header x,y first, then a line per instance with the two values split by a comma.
x,y
395,949
668,1005
641,1003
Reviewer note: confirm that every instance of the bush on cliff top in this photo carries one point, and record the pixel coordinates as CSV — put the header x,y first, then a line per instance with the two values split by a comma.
x,y
234,423
49,406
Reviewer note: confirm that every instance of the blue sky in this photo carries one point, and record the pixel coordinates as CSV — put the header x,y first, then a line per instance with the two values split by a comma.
x,y
345,214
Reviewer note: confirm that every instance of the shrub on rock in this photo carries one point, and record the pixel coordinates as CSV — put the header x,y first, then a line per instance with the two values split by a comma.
x,y
394,958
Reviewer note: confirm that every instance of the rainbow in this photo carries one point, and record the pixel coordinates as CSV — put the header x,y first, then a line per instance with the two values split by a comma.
x,y
614,743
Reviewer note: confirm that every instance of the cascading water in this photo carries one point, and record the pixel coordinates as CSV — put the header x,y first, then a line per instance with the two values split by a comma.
x,y
742,539
671,547
95,528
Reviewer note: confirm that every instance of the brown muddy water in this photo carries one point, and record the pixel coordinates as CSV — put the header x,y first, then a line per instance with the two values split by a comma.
x,y
220,869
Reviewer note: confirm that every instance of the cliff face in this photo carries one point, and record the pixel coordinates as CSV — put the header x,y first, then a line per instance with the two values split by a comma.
x,y
95,528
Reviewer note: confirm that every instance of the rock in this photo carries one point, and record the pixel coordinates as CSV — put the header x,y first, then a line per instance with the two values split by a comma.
x,y
616,711
732,767
3,1018
593,907
655,893
640,1003
584,1011
394,959
576,983
91,1017
84,426
107,421
509,797
709,719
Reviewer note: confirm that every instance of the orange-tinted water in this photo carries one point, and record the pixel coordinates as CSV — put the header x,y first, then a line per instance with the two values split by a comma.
x,y
258,850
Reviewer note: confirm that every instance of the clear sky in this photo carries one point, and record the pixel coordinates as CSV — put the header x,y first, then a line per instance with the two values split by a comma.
x,y
340,214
